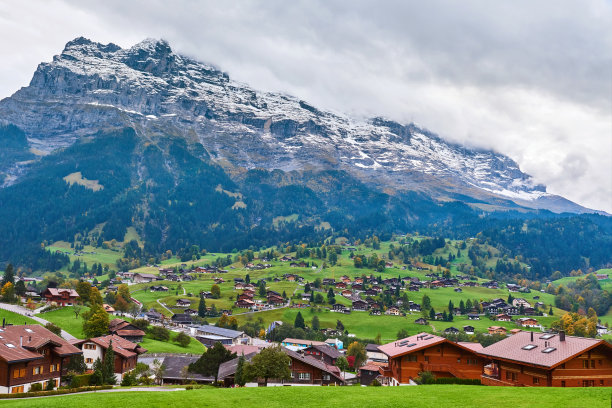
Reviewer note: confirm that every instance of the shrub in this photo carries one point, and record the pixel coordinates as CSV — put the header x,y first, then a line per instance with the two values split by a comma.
x,y
425,377
50,385
80,380
142,324
453,380
36,387
53,328
182,339
375,383
160,333
189,387
129,379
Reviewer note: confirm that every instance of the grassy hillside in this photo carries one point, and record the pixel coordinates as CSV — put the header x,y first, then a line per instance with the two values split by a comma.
x,y
430,396
15,318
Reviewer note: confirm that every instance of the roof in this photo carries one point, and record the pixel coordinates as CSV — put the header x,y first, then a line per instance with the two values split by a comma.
x,y
370,367
372,347
243,349
313,362
511,348
131,333
32,337
472,346
327,350
229,367
418,342
219,331
121,346
306,342
174,366
59,291
146,275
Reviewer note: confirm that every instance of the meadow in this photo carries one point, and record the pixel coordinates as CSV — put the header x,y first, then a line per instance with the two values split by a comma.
x,y
426,396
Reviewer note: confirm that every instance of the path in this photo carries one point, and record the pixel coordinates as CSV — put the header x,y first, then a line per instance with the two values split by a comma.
x,y
25,312
164,306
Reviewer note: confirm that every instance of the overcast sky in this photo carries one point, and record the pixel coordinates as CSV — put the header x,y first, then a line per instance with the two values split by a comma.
x,y
530,79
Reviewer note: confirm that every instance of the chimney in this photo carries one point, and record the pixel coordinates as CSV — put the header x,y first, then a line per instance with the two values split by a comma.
x,y
531,336
20,341
561,335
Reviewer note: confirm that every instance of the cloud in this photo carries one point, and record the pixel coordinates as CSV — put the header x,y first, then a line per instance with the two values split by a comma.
x,y
529,79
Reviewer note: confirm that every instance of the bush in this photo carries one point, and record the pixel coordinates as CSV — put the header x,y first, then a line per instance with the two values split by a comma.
x,y
375,383
50,385
142,324
182,339
36,387
129,379
54,392
53,328
189,387
425,377
82,380
453,380
160,333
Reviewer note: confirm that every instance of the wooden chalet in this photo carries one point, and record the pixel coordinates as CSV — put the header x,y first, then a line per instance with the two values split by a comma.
x,y
323,352
306,369
125,330
548,360
60,296
31,354
427,352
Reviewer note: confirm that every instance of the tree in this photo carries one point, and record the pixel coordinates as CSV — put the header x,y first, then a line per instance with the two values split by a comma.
x,y
239,377
331,297
158,370
121,305
378,339
9,275
342,364
299,321
315,323
108,366
95,298
426,302
77,364
357,350
53,329
202,307
432,314
95,322
8,292
124,291
160,333
20,288
83,288
208,364
76,309
182,339
271,362
215,291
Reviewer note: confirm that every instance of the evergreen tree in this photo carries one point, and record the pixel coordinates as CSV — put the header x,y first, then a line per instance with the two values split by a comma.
x,y
426,303
315,323
108,366
432,314
239,378
299,321
202,307
9,275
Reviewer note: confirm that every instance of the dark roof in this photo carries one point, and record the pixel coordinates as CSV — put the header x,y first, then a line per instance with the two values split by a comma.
x,y
372,347
229,367
311,361
327,350
21,343
174,366
219,331
512,348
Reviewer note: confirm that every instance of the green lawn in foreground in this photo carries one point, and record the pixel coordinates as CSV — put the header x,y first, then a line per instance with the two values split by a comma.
x,y
15,318
429,396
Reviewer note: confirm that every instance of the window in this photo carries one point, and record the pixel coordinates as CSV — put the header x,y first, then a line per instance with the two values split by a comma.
x,y
601,382
427,359
588,383
585,363
16,390
411,358
36,371
326,377
458,361
592,363
511,376
304,376
292,374
89,346
19,373
536,380
45,352
563,383
563,365
89,361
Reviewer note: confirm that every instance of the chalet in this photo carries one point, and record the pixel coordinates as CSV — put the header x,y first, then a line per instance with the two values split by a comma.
x,y
159,289
458,290
239,286
421,320
309,370
337,343
325,353
126,353
340,285
473,316
227,370
31,354
360,305
340,308
468,329
32,292
374,354
60,296
414,307
183,302
174,370
518,302
368,373
235,336
601,276
375,312
426,352
245,303
153,316
394,311
181,319
276,300
514,331
329,281
347,293
144,278
527,322
502,317
108,308
451,330
191,312
439,316
548,360
497,330
125,330
306,297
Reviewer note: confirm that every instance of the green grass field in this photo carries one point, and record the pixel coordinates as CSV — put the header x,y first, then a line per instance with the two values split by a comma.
x,y
15,318
156,346
429,396
66,319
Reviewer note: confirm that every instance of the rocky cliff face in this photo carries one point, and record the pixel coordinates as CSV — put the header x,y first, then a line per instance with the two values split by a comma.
x,y
148,87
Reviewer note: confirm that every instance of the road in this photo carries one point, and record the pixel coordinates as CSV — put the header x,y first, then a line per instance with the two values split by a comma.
x,y
28,313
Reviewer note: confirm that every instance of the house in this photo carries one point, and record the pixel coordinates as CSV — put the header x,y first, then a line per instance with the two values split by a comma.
x,y
174,371
360,305
125,330
368,373
108,308
473,316
421,320
60,296
338,344
451,330
502,317
601,330
126,353
227,370
468,329
244,303
374,354
144,278
159,289
236,336
183,302
548,360
497,330
347,293
518,302
325,353
153,316
181,319
426,352
276,300
31,354
394,311
527,322
308,370
337,307
300,344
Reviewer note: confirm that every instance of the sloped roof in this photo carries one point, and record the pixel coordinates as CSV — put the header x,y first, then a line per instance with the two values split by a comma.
x,y
229,367
472,346
20,343
511,348
121,346
219,331
311,361
410,344
327,350
174,366
59,291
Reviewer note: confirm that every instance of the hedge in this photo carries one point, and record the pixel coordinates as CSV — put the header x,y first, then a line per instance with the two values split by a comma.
x,y
78,381
453,380
54,392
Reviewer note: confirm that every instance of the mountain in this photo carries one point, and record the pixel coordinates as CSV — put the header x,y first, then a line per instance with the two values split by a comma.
x,y
110,137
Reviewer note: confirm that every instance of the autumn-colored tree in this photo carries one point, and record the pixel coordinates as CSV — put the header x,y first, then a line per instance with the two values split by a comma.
x,y
83,288
121,305
215,291
95,298
95,321
124,291
357,350
8,292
